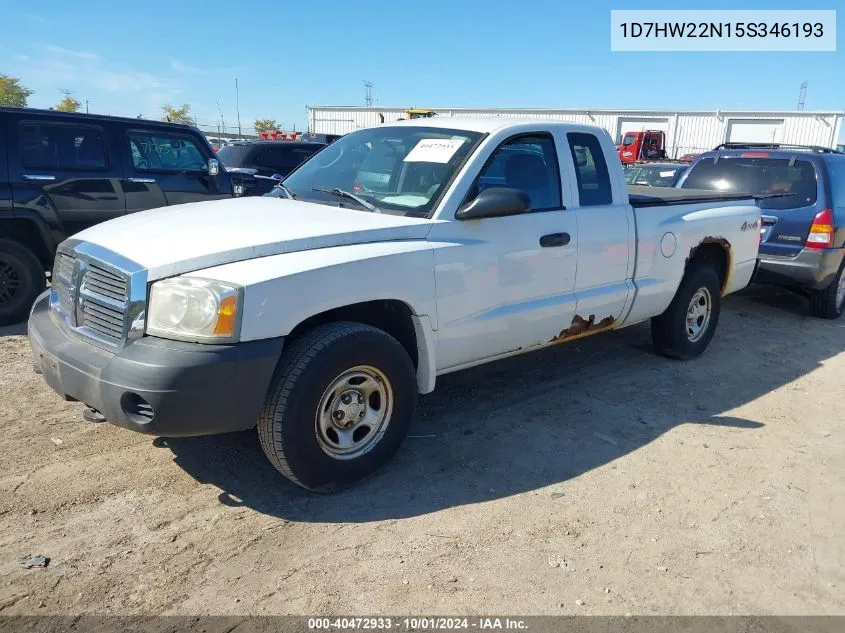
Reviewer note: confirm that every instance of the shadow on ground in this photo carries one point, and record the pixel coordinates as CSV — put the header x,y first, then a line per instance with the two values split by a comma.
x,y
543,418
18,329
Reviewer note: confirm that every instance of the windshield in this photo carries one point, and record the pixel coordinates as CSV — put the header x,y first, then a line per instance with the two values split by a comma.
x,y
233,155
401,170
758,176
653,175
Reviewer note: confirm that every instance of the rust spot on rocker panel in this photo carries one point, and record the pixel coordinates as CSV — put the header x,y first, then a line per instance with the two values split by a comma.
x,y
583,327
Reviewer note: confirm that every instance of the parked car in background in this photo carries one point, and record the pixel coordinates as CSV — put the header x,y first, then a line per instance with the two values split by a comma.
x,y
688,158
803,232
655,174
321,314
319,138
267,161
640,146
217,143
63,172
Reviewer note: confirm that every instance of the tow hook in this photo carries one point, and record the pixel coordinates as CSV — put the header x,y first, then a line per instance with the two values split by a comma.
x,y
92,415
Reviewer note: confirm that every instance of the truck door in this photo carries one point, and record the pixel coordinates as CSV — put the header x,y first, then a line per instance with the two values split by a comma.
x,y
5,185
165,168
510,284
629,150
64,172
605,230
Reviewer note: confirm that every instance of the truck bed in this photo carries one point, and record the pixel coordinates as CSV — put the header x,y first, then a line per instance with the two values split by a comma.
x,y
644,196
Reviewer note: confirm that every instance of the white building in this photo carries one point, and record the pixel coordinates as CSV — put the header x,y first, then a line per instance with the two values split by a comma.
x,y
686,131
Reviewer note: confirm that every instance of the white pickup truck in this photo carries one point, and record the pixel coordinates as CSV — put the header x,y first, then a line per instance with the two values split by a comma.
x,y
397,254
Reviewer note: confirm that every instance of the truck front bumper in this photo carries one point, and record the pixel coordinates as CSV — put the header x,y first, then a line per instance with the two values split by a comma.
x,y
809,269
157,386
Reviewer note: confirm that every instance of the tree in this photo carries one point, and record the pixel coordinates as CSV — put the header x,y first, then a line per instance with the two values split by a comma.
x,y
177,115
266,125
69,104
12,93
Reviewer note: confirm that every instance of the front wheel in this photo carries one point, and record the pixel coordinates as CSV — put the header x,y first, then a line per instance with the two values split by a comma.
x,y
22,279
339,406
687,326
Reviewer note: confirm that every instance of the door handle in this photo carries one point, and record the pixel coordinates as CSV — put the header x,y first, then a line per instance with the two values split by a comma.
x,y
554,239
42,177
142,180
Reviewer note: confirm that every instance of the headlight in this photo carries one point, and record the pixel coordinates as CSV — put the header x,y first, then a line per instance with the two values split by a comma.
x,y
192,309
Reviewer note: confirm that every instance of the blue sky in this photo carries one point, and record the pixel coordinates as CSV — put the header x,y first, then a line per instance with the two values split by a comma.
x,y
129,60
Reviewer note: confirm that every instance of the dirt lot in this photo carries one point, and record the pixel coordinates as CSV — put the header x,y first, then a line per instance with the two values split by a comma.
x,y
590,478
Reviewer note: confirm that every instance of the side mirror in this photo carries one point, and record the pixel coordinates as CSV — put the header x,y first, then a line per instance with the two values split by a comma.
x,y
495,202
213,166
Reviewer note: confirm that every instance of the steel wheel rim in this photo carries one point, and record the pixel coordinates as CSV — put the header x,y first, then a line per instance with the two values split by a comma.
x,y
840,290
698,314
354,412
9,281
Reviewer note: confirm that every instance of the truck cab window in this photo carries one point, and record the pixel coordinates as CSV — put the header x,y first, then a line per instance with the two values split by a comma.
x,y
590,170
46,146
153,152
528,164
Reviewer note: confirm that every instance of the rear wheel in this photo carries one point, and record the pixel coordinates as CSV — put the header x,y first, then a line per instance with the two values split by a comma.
x,y
687,326
339,405
830,302
22,279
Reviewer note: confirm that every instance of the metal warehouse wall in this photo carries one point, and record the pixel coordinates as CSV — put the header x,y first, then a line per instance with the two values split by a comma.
x,y
686,132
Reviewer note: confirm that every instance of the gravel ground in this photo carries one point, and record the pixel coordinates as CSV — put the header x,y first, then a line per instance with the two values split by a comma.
x,y
591,478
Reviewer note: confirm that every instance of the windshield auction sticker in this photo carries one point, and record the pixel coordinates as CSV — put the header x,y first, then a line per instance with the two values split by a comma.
x,y
716,30
434,150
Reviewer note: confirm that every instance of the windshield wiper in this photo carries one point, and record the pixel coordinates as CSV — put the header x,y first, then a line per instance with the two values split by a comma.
x,y
290,194
340,193
766,196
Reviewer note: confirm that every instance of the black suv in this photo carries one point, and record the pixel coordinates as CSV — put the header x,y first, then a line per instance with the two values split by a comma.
x,y
802,197
62,172
267,162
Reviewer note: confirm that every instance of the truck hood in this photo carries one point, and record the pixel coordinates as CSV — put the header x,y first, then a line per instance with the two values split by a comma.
x,y
188,237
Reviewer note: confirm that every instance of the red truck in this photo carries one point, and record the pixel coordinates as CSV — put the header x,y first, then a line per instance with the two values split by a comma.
x,y
638,147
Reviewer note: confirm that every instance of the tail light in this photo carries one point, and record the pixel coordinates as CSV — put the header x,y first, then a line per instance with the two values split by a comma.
x,y
821,232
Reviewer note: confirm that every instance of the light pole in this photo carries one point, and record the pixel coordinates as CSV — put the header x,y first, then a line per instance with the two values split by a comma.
x,y
238,107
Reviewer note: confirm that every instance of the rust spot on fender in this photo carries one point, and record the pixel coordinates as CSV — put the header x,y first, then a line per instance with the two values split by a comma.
x,y
725,245
721,241
583,327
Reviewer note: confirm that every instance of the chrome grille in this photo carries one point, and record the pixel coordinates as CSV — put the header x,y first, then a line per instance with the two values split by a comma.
x,y
105,283
61,281
105,321
98,295
102,302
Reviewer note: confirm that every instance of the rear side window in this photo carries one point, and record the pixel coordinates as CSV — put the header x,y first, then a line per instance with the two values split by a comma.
x,y
50,146
590,170
283,159
233,155
162,152
836,172
794,179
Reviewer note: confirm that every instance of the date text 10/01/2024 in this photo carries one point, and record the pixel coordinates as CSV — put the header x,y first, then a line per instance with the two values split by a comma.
x,y
721,29
416,624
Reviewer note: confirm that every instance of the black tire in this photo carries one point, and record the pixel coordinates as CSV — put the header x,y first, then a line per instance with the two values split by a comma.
x,y
288,424
22,279
669,330
826,304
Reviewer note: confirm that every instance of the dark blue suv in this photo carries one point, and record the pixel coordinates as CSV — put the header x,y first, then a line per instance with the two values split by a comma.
x,y
802,196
